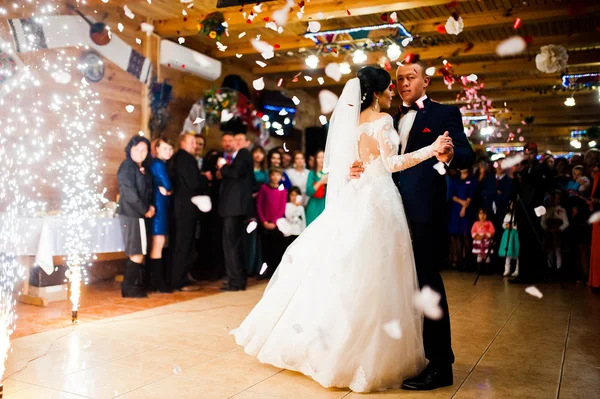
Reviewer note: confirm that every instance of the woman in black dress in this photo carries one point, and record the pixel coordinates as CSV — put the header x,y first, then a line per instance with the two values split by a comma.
x,y
135,210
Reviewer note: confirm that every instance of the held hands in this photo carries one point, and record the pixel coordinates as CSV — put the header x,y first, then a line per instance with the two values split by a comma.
x,y
443,148
356,169
163,191
150,213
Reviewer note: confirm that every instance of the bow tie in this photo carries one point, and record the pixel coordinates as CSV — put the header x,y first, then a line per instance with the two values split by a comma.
x,y
404,109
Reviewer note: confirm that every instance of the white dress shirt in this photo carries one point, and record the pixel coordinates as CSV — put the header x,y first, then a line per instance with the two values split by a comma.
x,y
406,123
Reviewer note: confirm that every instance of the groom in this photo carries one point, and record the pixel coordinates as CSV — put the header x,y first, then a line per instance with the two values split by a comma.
x,y
419,122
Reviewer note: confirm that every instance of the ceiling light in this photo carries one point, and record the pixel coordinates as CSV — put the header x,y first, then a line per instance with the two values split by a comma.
x,y
312,61
359,57
345,68
487,130
570,102
394,52
592,143
575,144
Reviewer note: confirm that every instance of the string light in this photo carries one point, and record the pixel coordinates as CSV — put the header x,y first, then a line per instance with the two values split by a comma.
x,y
583,79
315,36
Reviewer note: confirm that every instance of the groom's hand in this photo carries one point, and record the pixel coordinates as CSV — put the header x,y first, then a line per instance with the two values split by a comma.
x,y
448,154
356,170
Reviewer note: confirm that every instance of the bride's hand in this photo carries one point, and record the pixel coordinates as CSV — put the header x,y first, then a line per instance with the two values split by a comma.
x,y
442,144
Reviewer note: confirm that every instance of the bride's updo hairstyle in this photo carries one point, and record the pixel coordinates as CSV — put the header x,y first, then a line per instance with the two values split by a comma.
x,y
372,80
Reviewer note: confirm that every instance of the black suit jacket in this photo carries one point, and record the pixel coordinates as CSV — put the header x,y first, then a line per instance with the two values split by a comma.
x,y
188,182
423,189
236,186
135,189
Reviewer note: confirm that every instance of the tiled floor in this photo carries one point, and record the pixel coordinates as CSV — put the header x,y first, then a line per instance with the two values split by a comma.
x,y
507,344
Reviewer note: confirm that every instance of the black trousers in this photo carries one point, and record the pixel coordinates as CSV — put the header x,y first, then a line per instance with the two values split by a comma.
x,y
233,250
184,249
273,246
436,333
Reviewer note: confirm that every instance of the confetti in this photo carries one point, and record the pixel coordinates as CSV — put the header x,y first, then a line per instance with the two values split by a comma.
x,y
314,26
263,269
220,46
251,226
239,55
176,369
393,17
441,29
323,120
181,40
308,78
333,71
512,46
281,16
281,187
440,168
284,226
392,328
138,41
279,132
283,112
320,80
540,211
533,291
430,71
226,115
61,77
128,12
454,25
472,78
268,55
261,64
428,302
130,108
595,218
297,328
285,147
517,23
257,8
203,202
406,42
296,100
120,27
258,84
261,46
147,28
198,120
328,101
279,82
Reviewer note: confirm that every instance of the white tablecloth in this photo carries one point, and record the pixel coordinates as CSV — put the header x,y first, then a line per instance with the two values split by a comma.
x,y
45,237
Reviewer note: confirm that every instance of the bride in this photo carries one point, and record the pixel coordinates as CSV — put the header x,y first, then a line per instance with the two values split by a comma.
x,y
340,307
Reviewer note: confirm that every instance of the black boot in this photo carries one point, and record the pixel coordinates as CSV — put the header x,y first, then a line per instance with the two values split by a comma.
x,y
157,271
132,278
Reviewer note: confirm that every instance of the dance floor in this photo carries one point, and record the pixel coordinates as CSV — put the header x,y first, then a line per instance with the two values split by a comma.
x,y
508,344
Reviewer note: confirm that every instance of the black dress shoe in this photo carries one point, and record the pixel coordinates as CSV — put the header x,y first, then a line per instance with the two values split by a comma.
x,y
434,376
228,288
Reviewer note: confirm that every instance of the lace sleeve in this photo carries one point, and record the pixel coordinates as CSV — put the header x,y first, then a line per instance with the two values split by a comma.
x,y
388,142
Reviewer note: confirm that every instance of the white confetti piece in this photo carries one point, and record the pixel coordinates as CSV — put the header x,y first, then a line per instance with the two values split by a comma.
x,y
472,78
120,27
226,115
454,26
428,302
540,211
203,203
320,80
394,17
281,16
298,328
130,108
181,40
61,77
323,119
406,41
285,147
300,15
430,71
251,227
128,12
284,226
138,40
595,218
221,47
296,100
261,46
198,120
283,112
512,161
176,369
271,25
328,101
512,46
333,71
263,269
258,84
261,64
314,26
440,167
279,132
87,344
308,78
533,291
281,187
238,55
393,329
257,8
184,13
147,28
241,35
268,55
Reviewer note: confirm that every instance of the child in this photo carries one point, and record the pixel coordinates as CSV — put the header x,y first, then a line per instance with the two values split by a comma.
x,y
509,246
482,233
270,206
294,214
554,222
579,184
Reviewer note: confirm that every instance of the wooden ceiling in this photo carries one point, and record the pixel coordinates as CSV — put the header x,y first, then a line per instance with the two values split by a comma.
x,y
514,81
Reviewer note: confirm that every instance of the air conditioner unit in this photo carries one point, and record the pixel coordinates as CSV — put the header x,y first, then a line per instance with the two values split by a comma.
x,y
179,57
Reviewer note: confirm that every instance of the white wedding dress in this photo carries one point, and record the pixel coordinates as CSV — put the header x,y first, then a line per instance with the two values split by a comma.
x,y
349,274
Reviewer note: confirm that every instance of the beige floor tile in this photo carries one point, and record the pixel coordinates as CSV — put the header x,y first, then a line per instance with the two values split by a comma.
x,y
252,395
180,387
106,381
11,386
42,393
580,381
211,344
292,385
164,360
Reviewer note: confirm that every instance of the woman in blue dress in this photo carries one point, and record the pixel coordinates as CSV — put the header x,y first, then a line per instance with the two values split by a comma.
x,y
461,191
162,188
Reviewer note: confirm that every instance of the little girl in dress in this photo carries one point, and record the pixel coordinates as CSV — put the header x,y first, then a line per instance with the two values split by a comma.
x,y
482,233
509,246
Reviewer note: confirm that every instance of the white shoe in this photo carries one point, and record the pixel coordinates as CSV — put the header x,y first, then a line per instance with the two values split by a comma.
x,y
516,272
506,269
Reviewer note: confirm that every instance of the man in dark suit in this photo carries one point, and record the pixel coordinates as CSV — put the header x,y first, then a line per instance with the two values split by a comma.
x,y
235,204
188,182
419,122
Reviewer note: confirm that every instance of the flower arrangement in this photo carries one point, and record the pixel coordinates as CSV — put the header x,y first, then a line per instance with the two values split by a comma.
x,y
212,25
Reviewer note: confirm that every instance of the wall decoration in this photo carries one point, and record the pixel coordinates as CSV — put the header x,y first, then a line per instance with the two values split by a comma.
x,y
10,67
93,66
160,97
551,59
212,25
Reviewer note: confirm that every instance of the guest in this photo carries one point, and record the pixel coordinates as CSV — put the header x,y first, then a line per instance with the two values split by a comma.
x,y
162,188
188,183
594,203
579,231
486,187
310,162
579,185
286,160
135,209
235,206
460,194
554,222
562,177
482,233
261,174
199,152
274,161
316,189
590,160
271,206
299,174
509,245
294,214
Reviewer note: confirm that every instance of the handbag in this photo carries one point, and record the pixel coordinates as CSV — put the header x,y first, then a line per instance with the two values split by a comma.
x,y
320,193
